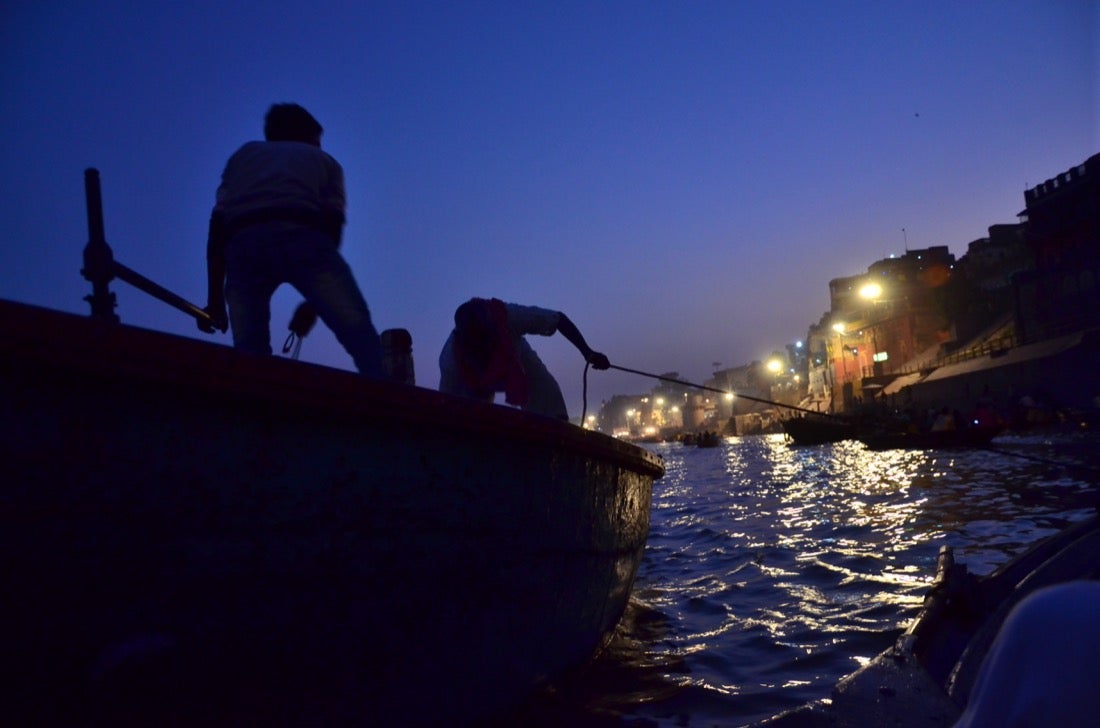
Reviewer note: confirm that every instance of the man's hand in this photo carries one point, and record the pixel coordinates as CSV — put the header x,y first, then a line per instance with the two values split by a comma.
x,y
218,320
303,320
598,360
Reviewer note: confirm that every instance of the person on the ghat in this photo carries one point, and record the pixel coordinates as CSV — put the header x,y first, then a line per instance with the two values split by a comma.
x,y
486,353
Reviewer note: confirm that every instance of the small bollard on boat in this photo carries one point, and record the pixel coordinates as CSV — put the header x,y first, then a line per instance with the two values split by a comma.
x,y
196,536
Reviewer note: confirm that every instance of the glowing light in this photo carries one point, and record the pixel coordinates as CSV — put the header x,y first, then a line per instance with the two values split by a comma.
x,y
838,327
730,396
774,366
870,291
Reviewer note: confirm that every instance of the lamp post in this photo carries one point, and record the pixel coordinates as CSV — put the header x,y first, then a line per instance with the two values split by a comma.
x,y
872,292
838,327
846,383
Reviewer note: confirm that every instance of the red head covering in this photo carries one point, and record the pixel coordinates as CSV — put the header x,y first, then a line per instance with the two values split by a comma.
x,y
485,352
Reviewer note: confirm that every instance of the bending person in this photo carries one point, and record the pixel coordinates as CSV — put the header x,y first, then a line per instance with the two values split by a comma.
x,y
486,353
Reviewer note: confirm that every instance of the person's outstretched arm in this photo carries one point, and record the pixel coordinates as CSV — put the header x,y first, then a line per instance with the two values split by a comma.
x,y
570,331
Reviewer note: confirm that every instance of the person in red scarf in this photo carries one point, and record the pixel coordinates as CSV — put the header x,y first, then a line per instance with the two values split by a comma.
x,y
486,353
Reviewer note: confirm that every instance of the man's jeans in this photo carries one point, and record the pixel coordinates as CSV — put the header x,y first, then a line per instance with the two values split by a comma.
x,y
261,257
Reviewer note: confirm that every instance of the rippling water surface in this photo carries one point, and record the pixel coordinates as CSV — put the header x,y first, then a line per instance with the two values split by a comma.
x,y
771,571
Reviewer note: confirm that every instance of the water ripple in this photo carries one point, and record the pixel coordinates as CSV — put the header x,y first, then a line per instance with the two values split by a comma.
x,y
771,571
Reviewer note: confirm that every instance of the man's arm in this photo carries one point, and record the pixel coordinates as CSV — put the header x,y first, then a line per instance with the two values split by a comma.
x,y
215,276
570,331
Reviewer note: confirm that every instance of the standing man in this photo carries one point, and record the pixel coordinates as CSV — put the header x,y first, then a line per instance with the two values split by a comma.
x,y
279,218
486,353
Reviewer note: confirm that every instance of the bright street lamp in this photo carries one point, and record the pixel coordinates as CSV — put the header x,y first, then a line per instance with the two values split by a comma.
x,y
870,291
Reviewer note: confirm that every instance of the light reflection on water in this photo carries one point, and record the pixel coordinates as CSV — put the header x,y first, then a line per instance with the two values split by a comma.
x,y
772,571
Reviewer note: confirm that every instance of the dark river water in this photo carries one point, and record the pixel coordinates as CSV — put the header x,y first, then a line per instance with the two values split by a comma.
x,y
772,571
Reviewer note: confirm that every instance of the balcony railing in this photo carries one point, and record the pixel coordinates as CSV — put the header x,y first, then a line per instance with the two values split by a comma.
x,y
990,347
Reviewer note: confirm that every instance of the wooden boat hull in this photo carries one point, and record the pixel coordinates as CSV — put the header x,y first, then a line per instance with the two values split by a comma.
x,y
966,438
281,539
810,430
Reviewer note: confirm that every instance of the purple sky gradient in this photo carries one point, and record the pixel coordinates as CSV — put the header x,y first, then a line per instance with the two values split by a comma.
x,y
681,178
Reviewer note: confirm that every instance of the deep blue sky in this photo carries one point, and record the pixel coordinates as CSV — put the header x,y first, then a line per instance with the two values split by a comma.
x,y
681,178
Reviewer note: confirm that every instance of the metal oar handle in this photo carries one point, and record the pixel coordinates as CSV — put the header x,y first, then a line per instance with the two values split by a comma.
x,y
100,266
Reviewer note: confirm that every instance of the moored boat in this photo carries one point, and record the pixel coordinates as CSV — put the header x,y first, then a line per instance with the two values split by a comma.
x,y
811,429
200,534
707,438
967,437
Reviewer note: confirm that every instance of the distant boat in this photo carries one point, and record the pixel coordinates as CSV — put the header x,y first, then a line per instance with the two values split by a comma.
x,y
967,437
192,531
707,439
813,429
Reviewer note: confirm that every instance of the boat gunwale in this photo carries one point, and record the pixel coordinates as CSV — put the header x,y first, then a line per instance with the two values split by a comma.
x,y
45,342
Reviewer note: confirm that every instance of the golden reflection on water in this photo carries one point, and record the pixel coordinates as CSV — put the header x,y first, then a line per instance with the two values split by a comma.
x,y
773,571
850,485
806,544
777,570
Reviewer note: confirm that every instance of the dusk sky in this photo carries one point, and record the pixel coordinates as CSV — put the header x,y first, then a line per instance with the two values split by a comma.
x,y
682,179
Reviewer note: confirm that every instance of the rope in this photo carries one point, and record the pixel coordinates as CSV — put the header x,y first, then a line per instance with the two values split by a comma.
x,y
584,394
293,341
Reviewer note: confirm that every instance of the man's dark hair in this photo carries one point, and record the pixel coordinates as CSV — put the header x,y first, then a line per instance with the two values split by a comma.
x,y
291,123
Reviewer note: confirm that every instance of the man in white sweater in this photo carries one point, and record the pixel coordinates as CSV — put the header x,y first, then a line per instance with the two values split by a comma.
x,y
279,218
